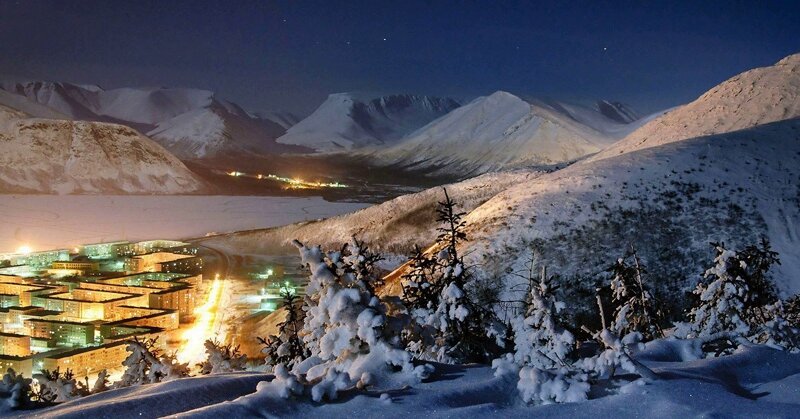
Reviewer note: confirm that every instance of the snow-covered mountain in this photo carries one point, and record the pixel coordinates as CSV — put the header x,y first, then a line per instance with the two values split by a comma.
x,y
613,119
192,123
283,118
504,131
347,120
220,127
752,98
63,156
669,200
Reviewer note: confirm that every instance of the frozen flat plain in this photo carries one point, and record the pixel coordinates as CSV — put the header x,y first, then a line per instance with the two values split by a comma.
x,y
51,221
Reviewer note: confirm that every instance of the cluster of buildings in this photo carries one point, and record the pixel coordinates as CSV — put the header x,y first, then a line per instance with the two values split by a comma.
x,y
76,308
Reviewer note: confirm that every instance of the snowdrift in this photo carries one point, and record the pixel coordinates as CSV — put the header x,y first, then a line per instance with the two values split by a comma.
x,y
754,382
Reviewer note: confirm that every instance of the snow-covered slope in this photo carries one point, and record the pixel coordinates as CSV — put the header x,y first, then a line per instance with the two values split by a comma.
x,y
346,120
614,119
191,123
501,131
393,226
669,201
28,106
754,382
62,156
282,118
755,97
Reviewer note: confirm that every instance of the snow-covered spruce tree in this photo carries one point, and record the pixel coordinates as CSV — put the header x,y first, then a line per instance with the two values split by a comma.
x,y
540,340
169,368
346,331
542,347
100,385
15,391
447,326
635,309
55,386
733,298
791,310
221,358
360,261
146,364
777,330
287,348
614,352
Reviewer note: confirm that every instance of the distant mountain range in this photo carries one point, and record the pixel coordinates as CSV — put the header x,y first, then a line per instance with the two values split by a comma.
x,y
430,134
191,123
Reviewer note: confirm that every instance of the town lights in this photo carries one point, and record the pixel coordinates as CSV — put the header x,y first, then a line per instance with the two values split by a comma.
x,y
192,349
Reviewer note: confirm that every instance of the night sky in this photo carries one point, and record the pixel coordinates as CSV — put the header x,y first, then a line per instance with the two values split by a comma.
x,y
289,55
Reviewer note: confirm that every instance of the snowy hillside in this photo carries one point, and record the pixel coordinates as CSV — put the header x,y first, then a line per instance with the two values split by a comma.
x,y
61,156
191,123
346,120
503,131
393,226
669,201
614,119
755,97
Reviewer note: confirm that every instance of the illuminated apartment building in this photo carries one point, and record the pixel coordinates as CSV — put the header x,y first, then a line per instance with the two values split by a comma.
x,y
25,292
83,321
87,361
12,344
171,246
153,318
169,291
73,267
91,360
164,262
35,259
9,300
105,250
87,304
20,364
62,333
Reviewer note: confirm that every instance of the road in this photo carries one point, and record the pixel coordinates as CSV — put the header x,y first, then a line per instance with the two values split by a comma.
x,y
209,319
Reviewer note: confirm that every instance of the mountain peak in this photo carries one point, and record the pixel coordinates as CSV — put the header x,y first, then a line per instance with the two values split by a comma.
x,y
754,97
350,120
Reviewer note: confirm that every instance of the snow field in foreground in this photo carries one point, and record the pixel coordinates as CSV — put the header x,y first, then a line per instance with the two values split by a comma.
x,y
753,382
